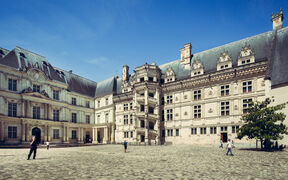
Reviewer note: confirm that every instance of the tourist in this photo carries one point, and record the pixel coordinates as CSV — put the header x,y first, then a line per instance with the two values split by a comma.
x,y
33,148
48,145
125,146
229,146
221,144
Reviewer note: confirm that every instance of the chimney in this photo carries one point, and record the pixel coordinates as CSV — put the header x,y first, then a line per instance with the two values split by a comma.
x,y
186,55
125,73
277,20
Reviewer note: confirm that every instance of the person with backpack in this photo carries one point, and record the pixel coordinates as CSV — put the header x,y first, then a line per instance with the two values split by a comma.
x,y
33,148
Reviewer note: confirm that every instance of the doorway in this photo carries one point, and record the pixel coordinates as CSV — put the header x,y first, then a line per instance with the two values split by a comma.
x,y
142,138
224,137
37,133
87,138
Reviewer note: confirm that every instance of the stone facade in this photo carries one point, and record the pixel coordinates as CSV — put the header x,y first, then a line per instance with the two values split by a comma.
x,y
197,99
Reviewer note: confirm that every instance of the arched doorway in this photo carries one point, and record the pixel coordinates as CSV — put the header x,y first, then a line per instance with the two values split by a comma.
x,y
37,133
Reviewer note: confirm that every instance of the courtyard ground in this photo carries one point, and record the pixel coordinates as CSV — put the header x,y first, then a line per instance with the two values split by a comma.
x,y
143,162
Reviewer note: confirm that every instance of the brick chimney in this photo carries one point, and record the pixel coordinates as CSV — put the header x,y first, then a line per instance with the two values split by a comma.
x,y
277,20
186,55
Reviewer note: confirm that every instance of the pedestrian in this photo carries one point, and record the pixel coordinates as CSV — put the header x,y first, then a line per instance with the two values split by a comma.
x,y
229,146
221,144
33,148
125,146
48,145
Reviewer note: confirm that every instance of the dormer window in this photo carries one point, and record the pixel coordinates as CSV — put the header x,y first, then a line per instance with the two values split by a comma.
x,y
197,68
224,61
142,79
170,75
246,56
22,55
150,79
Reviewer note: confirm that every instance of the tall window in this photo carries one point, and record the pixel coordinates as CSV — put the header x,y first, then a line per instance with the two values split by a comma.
x,y
225,90
224,128
150,79
106,117
131,106
55,95
151,95
73,101
177,132
225,108
163,115
246,104
36,88
235,129
197,111
125,107
151,125
169,114
12,132
126,134
36,112
142,108
151,110
169,99
56,115
12,109
213,130
247,86
56,134
87,104
106,101
197,95
125,119
74,117
12,84
87,119
131,134
203,130
74,134
193,131
142,125
131,118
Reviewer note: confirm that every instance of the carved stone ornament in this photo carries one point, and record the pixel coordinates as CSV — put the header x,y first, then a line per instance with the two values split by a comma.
x,y
224,57
210,110
246,51
176,114
210,93
170,72
235,107
44,93
197,64
36,75
27,90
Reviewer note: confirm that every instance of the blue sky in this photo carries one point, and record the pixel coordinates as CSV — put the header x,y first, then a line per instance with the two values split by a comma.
x,y
95,38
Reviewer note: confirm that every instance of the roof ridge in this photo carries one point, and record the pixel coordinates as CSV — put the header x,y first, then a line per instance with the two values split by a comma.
x,y
56,68
30,51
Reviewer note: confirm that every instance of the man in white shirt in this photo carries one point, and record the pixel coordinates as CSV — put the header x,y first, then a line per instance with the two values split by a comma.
x,y
229,146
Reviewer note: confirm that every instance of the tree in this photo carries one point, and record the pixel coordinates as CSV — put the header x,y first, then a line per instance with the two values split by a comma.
x,y
263,123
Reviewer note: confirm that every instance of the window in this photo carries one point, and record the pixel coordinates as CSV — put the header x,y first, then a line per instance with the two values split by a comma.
x,y
163,133
151,110
74,117
12,109
235,129
169,114
247,103
150,79
142,108
56,115
169,99
197,111
197,95
98,104
12,84
151,95
225,90
87,104
245,61
55,95
247,86
125,119
55,133
151,125
131,118
36,112
162,101
225,108
202,130
106,117
142,124
224,128
131,106
36,88
213,130
87,119
224,66
177,132
12,132
142,79
193,131
163,116
126,134
73,101
74,134
131,134
125,107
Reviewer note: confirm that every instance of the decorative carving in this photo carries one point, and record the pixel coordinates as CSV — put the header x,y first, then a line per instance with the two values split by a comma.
x,y
36,75
170,72
235,107
246,51
197,64
44,93
210,93
27,90
224,57
210,110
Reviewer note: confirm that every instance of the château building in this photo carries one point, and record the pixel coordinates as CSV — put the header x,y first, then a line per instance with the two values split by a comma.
x,y
197,99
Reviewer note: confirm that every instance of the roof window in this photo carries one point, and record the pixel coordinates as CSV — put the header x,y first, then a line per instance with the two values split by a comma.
x,y
1,52
22,55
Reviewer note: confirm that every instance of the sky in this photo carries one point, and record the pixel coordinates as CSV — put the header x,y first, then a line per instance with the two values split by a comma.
x,y
95,38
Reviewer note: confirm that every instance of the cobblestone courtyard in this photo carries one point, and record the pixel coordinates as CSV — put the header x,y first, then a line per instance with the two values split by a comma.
x,y
143,162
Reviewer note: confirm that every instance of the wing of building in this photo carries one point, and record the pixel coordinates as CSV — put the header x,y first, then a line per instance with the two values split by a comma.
x,y
198,99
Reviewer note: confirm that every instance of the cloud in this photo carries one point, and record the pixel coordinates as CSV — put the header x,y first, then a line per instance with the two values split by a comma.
x,y
98,61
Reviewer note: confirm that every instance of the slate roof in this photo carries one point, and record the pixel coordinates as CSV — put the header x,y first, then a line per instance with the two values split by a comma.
x,y
107,86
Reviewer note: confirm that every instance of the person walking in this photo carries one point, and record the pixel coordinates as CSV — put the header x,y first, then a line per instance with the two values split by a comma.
x,y
48,145
33,148
125,146
221,143
229,146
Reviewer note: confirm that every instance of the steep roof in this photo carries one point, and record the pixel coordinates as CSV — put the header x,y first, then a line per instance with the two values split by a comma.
x,y
106,87
179,70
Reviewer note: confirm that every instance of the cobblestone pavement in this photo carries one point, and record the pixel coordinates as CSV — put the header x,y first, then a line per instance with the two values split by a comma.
x,y
143,162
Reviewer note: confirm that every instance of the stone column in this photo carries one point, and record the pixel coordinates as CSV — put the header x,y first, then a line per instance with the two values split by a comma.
x,y
105,135
28,109
23,132
79,135
29,133
49,112
49,132
22,108
67,134
113,133
64,134
96,135
45,111
45,133
82,134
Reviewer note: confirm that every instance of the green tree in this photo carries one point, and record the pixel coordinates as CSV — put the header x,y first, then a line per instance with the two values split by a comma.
x,y
263,123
